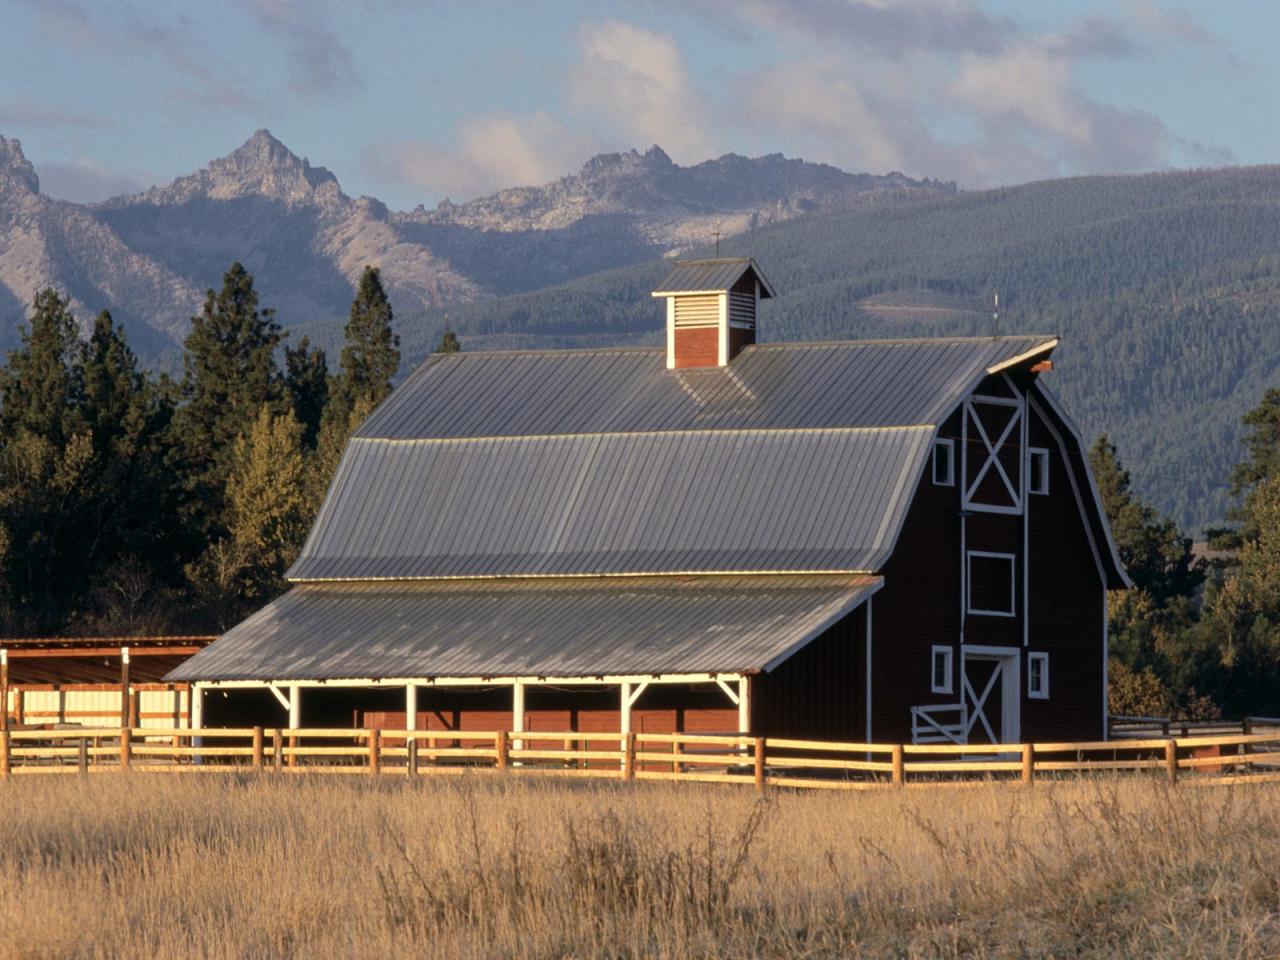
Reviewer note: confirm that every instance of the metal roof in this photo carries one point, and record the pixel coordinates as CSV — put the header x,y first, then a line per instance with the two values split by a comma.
x,y
710,276
539,628
794,386
668,502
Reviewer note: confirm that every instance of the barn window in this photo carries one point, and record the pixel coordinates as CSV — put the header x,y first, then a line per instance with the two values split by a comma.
x,y
1038,676
990,578
940,673
1038,471
944,463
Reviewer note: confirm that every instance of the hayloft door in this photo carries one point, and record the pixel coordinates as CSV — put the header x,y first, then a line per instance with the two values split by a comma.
x,y
989,689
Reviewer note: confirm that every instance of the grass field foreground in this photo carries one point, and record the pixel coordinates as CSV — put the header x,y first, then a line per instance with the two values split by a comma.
x,y
503,866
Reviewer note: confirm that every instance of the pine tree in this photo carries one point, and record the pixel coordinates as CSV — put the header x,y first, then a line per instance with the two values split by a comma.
x,y
307,379
371,355
42,387
448,343
230,372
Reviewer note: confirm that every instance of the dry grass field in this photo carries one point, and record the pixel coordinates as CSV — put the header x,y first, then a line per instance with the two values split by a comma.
x,y
500,866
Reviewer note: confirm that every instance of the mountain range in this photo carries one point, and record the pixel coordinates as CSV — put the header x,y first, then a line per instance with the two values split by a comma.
x,y
150,257
1164,287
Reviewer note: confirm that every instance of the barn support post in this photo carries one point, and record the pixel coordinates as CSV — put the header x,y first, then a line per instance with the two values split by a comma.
x,y
518,712
744,706
124,686
624,718
4,689
295,719
197,719
411,706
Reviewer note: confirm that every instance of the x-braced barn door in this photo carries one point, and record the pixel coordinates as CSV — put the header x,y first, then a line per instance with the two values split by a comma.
x,y
989,690
992,467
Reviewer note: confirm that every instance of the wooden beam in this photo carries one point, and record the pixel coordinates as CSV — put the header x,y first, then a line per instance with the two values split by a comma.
x,y
4,689
124,686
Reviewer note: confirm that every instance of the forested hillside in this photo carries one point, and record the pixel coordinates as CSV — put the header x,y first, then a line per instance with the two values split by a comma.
x,y
1164,287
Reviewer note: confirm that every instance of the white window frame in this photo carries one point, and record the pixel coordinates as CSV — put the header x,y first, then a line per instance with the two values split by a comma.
x,y
1042,692
1013,583
1032,453
948,657
950,479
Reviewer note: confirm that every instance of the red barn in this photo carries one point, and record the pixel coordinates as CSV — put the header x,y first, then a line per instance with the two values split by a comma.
x,y
891,540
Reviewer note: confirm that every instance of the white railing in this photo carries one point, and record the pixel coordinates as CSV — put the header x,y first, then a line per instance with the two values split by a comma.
x,y
926,727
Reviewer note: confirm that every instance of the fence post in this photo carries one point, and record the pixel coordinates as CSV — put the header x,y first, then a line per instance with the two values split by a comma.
x,y
375,751
412,747
629,757
500,745
277,749
899,766
759,771
1028,764
1171,760
135,709
4,754
83,759
257,748
126,747
1246,726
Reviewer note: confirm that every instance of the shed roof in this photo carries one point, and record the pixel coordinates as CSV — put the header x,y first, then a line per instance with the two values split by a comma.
x,y
530,628
710,276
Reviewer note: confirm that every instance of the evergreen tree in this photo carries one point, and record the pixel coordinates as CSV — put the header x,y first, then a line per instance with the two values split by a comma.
x,y
42,387
1153,550
448,343
371,355
1151,625
307,379
230,372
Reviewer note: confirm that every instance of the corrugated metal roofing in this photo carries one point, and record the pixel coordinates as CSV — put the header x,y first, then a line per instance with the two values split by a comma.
x,y
576,628
771,386
673,502
709,276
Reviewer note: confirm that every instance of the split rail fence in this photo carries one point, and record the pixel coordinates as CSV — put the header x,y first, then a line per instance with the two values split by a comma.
x,y
759,761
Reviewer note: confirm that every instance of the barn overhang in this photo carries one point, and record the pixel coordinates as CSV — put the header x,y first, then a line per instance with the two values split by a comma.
x,y
608,629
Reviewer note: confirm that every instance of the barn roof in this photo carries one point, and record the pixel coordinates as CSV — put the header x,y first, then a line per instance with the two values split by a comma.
x,y
794,458
528,628
710,276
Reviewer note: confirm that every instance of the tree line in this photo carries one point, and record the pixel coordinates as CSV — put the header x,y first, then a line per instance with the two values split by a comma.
x,y
136,504
1198,637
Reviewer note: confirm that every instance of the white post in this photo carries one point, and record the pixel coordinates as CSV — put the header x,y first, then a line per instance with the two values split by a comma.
x,y
411,707
196,716
624,722
295,706
744,705
517,712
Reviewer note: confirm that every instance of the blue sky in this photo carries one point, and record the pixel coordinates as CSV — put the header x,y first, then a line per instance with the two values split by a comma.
x,y
415,101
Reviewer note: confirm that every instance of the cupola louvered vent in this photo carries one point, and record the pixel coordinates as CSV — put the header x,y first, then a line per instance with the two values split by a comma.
x,y
712,307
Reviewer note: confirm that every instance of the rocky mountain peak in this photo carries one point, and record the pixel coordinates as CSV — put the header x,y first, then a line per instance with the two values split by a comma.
x,y
260,167
16,170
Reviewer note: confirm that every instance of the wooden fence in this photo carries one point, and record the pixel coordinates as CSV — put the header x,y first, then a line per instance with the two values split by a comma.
x,y
758,761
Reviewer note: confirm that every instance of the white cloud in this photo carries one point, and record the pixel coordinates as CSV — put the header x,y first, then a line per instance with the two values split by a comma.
x,y
1028,84
493,152
633,82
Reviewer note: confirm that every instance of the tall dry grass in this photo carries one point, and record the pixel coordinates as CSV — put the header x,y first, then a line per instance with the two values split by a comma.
x,y
493,866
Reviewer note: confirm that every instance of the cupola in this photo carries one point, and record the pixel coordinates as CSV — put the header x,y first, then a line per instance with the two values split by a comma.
x,y
711,309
